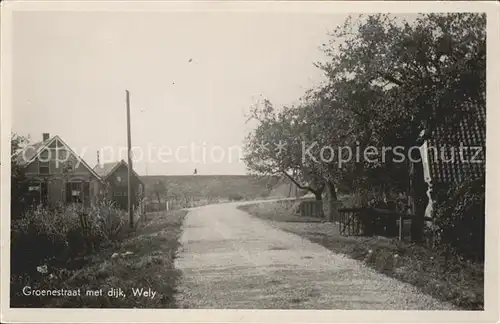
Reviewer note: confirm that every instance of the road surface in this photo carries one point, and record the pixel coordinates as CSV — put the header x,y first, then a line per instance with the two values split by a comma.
x,y
231,260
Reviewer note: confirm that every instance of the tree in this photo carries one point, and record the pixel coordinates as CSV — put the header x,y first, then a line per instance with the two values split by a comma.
x,y
419,73
275,147
387,80
311,133
428,68
19,186
396,77
343,122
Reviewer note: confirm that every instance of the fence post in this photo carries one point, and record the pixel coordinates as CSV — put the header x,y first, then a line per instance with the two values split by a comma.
x,y
84,223
400,227
334,215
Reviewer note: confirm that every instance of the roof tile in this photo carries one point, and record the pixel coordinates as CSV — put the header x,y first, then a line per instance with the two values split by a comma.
x,y
450,165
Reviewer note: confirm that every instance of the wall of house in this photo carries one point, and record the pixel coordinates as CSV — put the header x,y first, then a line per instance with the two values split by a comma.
x,y
64,167
56,188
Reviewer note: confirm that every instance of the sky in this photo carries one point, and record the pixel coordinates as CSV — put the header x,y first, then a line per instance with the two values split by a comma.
x,y
191,76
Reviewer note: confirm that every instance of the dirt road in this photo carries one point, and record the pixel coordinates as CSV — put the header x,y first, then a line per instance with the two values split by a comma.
x,y
230,259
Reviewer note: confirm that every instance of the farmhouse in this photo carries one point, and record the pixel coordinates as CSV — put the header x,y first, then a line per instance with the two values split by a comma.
x,y
55,174
115,175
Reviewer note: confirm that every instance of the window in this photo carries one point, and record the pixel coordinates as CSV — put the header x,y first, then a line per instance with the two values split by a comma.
x,y
74,192
34,187
118,193
43,163
61,154
44,167
37,193
77,192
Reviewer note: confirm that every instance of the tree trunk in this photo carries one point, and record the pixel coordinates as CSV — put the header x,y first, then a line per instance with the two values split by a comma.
x,y
418,188
332,209
417,224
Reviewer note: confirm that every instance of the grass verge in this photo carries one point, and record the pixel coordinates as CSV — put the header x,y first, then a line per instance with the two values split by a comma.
x,y
144,261
451,279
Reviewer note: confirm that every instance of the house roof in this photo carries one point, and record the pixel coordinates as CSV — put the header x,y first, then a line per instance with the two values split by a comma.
x,y
106,169
446,163
28,154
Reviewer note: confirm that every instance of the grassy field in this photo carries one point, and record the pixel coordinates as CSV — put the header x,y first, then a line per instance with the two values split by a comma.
x,y
219,186
143,262
457,281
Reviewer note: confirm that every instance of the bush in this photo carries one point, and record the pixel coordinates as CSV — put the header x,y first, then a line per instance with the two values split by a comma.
x,y
108,221
57,242
460,219
235,197
45,236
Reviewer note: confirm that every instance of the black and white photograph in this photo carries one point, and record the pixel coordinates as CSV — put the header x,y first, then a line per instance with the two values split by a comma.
x,y
248,159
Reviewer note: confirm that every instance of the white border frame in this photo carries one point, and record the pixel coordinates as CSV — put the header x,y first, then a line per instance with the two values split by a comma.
x,y
490,315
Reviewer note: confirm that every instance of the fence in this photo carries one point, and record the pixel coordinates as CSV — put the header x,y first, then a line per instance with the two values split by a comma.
x,y
375,221
311,208
156,206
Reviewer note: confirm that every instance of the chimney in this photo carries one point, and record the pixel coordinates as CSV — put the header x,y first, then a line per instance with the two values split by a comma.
x,y
98,160
46,136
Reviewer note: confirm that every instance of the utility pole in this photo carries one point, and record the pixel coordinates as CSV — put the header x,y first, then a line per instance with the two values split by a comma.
x,y
129,176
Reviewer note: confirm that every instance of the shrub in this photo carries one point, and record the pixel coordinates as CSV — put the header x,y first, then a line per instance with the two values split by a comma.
x,y
107,221
460,219
45,236
235,197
